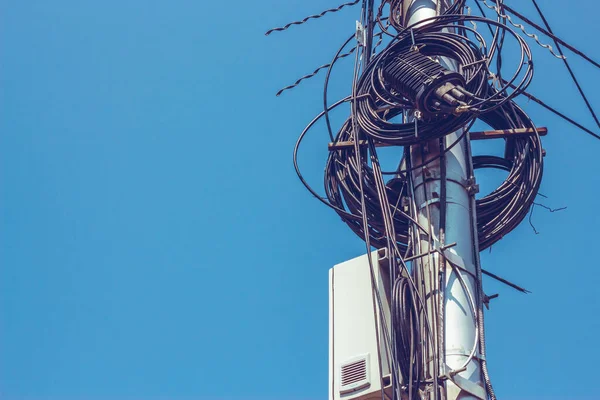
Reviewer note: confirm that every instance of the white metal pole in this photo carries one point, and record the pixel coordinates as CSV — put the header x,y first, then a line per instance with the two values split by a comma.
x,y
458,332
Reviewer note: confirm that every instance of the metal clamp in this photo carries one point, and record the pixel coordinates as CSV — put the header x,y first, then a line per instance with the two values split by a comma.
x,y
360,33
468,386
472,186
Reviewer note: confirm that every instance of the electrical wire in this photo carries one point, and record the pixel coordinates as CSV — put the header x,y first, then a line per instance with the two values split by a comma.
x,y
403,94
377,210
315,16
551,35
571,73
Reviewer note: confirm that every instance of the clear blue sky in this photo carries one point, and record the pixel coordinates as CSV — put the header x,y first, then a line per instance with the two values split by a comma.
x,y
156,244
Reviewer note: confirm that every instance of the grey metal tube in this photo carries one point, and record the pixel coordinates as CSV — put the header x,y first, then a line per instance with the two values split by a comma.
x,y
460,329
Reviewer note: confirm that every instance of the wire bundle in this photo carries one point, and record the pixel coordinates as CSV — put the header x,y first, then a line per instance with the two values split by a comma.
x,y
408,337
418,66
502,210
498,213
381,212
377,107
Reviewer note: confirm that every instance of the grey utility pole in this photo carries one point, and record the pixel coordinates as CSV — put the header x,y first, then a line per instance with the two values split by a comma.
x,y
444,197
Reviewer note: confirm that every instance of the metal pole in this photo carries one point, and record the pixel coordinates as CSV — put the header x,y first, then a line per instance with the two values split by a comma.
x,y
444,200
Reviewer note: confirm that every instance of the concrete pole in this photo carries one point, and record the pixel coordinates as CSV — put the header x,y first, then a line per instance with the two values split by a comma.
x,y
456,327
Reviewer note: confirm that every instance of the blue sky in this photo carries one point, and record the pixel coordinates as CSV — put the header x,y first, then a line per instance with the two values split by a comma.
x,y
155,242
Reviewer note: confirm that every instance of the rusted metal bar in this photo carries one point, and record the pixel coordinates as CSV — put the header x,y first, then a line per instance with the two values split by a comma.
x,y
350,144
482,135
542,131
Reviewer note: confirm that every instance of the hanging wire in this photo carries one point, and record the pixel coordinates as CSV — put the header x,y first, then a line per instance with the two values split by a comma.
x,y
315,16
387,80
571,73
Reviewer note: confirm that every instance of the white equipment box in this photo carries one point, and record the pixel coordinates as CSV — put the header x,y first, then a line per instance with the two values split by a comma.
x,y
358,348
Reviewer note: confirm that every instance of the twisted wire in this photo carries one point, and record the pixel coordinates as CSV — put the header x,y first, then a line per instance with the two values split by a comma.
x,y
381,212
522,28
316,71
551,35
316,16
571,73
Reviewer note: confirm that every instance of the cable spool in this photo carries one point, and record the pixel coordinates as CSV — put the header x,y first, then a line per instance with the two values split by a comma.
x,y
381,94
498,213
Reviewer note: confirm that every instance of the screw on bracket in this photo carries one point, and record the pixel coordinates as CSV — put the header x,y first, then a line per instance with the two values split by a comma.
x,y
486,300
472,186
360,33
406,204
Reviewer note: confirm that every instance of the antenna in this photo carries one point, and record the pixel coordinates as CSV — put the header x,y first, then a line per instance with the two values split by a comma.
x,y
407,318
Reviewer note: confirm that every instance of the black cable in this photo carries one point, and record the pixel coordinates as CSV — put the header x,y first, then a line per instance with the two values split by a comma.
x,y
560,114
506,282
338,56
316,16
379,103
498,213
386,85
579,88
551,35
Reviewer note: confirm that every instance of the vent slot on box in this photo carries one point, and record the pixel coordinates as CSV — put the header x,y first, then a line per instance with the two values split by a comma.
x,y
354,374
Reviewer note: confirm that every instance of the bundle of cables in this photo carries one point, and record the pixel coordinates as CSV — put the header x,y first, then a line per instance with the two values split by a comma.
x,y
498,213
430,80
408,340
407,76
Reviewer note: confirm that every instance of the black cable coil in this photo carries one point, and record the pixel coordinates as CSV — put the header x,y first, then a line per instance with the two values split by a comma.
x,y
385,91
498,213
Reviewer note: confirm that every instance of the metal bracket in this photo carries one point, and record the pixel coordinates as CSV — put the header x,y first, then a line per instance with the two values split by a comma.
x,y
472,186
436,249
481,135
360,33
486,299
468,386
429,202
433,175
406,204
459,263
461,352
